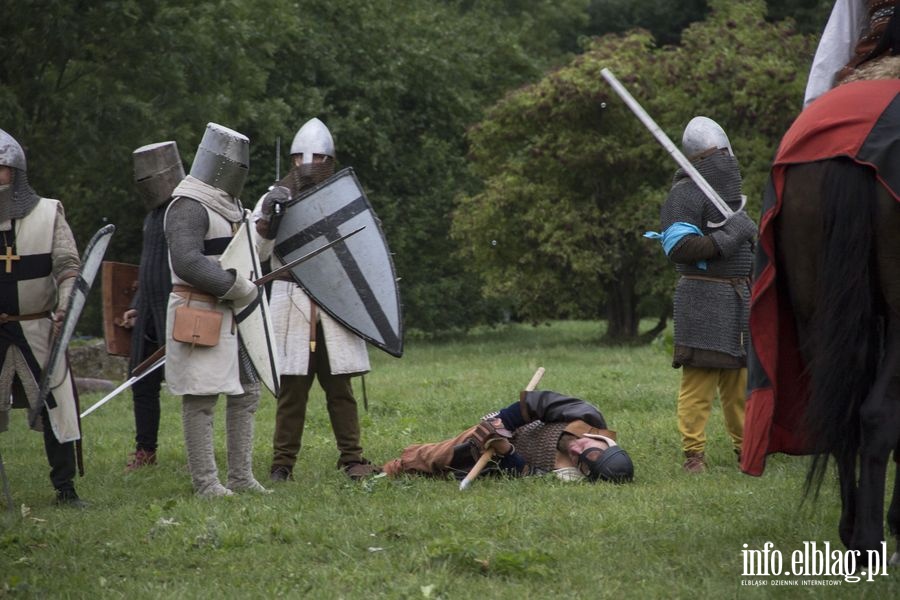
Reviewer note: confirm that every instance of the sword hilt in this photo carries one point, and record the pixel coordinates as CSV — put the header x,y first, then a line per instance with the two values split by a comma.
x,y
275,218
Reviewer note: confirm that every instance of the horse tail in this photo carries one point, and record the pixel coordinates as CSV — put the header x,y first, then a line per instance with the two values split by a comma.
x,y
844,327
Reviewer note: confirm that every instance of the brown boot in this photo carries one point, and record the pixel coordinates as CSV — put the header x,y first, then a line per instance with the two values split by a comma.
x,y
359,470
281,473
694,462
140,458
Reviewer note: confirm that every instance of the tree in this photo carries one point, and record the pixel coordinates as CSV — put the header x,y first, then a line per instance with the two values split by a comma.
x,y
571,179
810,16
85,83
665,19
398,100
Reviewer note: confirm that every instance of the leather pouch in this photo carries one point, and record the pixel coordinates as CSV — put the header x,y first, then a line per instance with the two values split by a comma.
x,y
196,326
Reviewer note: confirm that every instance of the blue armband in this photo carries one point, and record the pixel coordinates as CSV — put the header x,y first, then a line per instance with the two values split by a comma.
x,y
674,234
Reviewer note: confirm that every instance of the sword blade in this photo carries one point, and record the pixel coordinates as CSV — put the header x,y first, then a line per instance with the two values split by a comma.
x,y
267,278
159,362
278,158
663,139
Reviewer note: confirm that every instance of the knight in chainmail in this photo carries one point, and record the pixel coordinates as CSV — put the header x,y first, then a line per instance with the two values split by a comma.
x,y
543,432
200,221
41,266
711,304
312,344
157,170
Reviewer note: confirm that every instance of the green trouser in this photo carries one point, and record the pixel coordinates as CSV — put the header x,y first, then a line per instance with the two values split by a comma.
x,y
291,412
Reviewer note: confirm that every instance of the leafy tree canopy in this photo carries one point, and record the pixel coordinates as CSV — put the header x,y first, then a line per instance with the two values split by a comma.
x,y
666,19
572,179
86,82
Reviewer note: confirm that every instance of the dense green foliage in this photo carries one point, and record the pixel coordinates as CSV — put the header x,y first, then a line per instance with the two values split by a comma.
x,y
573,178
665,19
83,83
667,535
809,15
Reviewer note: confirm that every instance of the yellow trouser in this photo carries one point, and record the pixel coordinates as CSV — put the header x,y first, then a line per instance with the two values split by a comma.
x,y
695,398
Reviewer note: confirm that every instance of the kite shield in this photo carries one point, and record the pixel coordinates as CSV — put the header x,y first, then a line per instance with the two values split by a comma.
x,y
254,321
119,286
354,281
64,416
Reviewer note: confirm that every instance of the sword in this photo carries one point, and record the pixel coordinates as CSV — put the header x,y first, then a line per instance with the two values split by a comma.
x,y
278,158
270,276
150,364
158,358
680,158
277,207
488,451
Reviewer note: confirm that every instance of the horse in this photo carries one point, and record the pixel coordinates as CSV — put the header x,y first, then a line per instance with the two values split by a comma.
x,y
825,308
838,240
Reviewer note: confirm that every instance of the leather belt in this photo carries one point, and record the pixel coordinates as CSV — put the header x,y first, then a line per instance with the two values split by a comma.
x,y
5,318
734,282
194,293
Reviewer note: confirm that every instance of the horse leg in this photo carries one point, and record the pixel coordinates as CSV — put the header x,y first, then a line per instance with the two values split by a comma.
x,y
880,412
879,422
893,515
847,478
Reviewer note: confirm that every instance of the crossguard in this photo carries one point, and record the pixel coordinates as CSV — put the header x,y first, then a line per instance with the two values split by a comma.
x,y
740,208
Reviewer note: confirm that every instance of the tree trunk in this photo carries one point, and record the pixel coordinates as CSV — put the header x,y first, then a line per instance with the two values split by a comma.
x,y
621,309
649,336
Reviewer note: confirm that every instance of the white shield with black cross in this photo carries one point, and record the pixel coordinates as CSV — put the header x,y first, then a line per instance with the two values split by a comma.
x,y
254,321
354,281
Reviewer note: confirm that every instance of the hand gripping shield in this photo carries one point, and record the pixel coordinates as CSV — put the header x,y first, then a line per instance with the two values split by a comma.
x,y
119,286
354,281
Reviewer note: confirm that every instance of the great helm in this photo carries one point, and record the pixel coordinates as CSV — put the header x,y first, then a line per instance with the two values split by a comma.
x,y
157,170
702,134
313,138
11,153
223,159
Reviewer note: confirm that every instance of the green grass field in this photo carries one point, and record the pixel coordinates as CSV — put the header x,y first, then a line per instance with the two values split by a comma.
x,y
667,535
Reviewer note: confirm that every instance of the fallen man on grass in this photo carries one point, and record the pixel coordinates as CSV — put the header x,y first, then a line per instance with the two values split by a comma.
x,y
544,432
